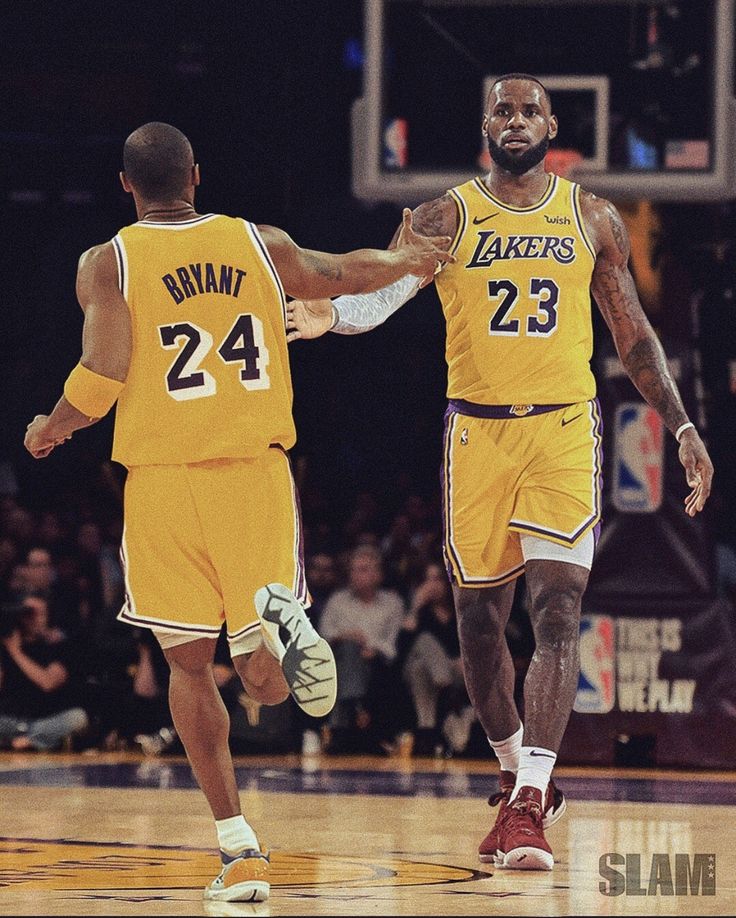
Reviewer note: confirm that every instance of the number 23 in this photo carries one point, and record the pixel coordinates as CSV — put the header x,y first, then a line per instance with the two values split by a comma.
x,y
544,291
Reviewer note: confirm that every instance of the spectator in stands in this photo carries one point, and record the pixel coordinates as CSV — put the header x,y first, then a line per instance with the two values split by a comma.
x,y
18,523
39,570
39,705
321,581
397,551
361,623
432,668
8,561
50,532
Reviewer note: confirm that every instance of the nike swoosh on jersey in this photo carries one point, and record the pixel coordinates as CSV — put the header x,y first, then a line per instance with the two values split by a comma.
x,y
478,220
566,421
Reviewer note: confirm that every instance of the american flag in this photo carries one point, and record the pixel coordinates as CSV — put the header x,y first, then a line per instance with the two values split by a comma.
x,y
687,154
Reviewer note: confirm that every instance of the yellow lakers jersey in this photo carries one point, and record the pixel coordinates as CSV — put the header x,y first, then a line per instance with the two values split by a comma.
x,y
209,376
517,300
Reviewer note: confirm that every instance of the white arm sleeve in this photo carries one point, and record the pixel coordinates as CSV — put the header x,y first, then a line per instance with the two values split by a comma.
x,y
360,312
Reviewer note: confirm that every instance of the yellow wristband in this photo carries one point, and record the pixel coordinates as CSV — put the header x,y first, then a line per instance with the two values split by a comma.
x,y
90,393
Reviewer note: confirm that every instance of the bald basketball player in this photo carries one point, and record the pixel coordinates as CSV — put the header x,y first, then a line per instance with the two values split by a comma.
x,y
184,328
522,456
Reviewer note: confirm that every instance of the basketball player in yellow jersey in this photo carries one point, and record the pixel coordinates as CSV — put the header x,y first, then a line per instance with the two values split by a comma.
x,y
185,327
521,475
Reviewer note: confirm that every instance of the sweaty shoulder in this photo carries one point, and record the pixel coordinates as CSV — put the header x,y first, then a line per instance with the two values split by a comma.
x,y
97,268
604,225
276,238
98,258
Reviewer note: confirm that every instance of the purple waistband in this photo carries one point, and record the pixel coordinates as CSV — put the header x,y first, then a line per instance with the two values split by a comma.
x,y
500,411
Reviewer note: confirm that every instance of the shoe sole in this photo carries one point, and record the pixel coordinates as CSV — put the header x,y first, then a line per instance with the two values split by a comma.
x,y
528,858
310,669
253,891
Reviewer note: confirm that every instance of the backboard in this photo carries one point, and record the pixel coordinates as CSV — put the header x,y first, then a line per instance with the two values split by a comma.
x,y
643,92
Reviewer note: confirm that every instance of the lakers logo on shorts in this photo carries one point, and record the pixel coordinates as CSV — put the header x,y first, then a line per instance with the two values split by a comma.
x,y
520,410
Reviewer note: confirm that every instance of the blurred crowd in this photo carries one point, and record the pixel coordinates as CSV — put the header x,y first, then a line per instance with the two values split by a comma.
x,y
73,677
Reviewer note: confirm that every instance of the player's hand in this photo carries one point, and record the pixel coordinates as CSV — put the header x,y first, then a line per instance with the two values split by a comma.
x,y
698,470
38,440
308,318
427,254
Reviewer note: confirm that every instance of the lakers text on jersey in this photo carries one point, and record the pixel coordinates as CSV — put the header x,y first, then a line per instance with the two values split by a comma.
x,y
517,300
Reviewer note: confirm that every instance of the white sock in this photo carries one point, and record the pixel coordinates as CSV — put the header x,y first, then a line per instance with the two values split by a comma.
x,y
508,750
535,769
235,835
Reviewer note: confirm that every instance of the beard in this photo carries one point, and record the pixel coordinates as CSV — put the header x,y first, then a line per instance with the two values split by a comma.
x,y
517,165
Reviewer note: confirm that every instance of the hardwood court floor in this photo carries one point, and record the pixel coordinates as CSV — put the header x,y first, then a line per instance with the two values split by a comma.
x,y
122,835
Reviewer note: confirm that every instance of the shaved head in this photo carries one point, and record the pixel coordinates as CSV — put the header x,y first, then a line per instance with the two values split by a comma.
x,y
158,161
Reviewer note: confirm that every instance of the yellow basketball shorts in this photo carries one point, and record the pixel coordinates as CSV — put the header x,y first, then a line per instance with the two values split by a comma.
x,y
200,539
536,474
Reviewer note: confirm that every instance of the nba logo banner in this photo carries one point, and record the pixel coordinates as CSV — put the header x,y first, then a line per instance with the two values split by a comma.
x,y
597,680
395,149
638,459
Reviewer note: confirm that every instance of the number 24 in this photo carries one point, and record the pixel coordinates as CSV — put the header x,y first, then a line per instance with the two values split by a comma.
x,y
185,379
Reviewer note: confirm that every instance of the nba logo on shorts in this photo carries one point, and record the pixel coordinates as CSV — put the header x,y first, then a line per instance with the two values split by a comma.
x,y
596,683
638,459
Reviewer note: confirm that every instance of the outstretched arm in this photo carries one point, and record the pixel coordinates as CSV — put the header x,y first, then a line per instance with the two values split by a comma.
x,y
637,344
311,275
106,351
352,315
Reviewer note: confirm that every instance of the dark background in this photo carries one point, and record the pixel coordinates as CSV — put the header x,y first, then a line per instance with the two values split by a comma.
x,y
263,89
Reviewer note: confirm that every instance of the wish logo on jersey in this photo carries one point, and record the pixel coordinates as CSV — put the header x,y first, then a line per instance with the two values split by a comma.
x,y
638,459
596,682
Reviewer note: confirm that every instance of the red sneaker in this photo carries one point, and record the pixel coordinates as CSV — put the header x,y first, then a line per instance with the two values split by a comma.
x,y
489,845
521,834
554,807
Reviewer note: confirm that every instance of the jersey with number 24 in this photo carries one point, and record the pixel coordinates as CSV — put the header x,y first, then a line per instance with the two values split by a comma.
x,y
209,376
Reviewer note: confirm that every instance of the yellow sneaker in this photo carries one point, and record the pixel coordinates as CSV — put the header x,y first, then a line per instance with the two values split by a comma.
x,y
243,878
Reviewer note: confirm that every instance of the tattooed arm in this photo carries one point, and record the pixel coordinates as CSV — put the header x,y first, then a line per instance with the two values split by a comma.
x,y
438,217
636,342
315,274
353,315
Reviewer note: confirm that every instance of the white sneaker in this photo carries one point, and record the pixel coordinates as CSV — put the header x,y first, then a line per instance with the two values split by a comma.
x,y
243,879
306,659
